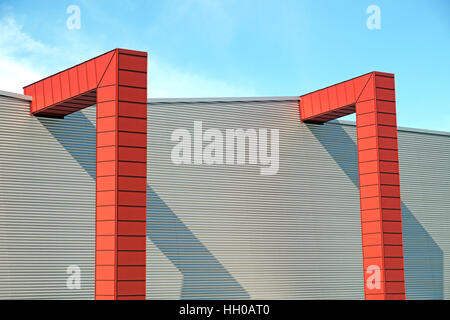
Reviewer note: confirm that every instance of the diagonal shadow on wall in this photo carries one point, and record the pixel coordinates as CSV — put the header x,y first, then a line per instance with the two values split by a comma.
x,y
204,277
423,258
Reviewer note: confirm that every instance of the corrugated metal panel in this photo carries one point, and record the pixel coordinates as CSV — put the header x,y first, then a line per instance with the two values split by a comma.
x,y
425,189
216,231
232,233
47,203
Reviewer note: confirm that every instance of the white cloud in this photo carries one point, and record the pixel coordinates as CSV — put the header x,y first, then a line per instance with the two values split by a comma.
x,y
13,40
15,69
14,75
24,60
165,81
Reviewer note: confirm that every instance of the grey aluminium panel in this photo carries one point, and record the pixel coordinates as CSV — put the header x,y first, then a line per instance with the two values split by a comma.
x,y
216,231
47,203
230,233
425,190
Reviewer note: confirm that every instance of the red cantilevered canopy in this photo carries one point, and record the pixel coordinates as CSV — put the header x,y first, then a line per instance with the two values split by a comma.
x,y
76,88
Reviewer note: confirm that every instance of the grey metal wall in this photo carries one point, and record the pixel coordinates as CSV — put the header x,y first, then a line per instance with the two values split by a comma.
x,y
47,203
291,235
216,231
228,232
425,190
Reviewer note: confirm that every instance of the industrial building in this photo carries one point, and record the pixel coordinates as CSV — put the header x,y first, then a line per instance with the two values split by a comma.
x,y
156,199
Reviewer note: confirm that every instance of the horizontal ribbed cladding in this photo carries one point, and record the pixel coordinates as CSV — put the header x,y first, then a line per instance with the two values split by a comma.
x,y
228,232
254,228
424,160
47,203
294,235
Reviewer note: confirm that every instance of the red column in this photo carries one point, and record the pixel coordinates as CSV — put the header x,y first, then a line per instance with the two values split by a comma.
x,y
117,81
121,178
380,190
372,97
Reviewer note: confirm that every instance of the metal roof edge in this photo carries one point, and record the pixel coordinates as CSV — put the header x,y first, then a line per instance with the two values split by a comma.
x,y
15,95
221,99
407,129
242,99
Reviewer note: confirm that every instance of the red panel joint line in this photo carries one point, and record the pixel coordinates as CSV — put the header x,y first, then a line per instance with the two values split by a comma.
x,y
117,82
372,97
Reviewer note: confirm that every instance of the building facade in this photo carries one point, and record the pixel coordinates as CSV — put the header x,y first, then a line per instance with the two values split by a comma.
x,y
216,231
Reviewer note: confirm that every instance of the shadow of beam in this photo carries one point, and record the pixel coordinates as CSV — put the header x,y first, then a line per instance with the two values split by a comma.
x,y
204,277
423,258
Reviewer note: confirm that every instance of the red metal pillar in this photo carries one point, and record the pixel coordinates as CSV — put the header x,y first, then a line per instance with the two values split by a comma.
x,y
372,97
380,189
121,178
117,82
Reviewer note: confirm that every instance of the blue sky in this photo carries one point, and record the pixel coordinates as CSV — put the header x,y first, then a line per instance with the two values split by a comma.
x,y
243,48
